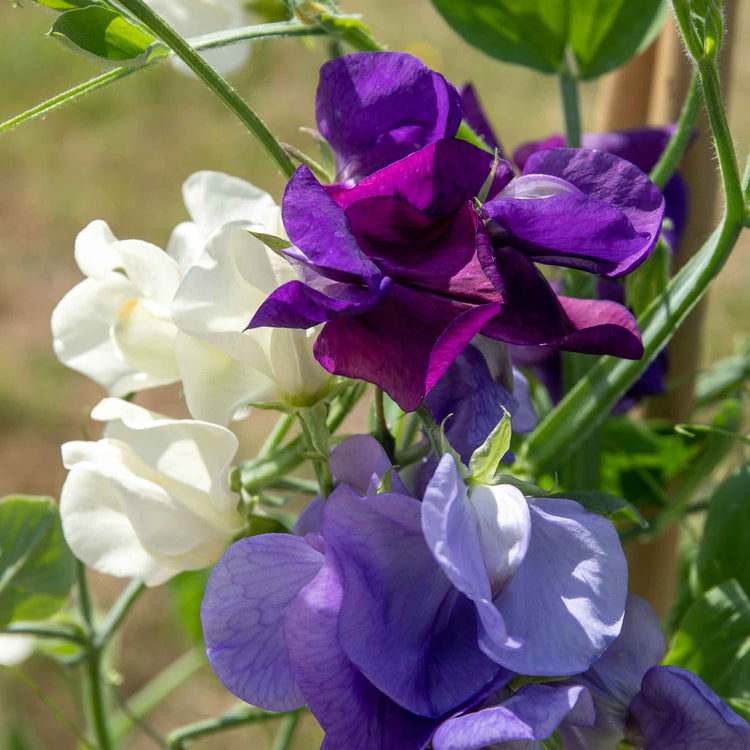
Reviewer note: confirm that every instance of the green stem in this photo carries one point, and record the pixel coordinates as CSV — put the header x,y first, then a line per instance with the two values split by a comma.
x,y
58,632
670,157
279,432
180,738
205,41
382,433
157,690
285,735
119,610
296,484
93,684
54,710
571,112
228,95
320,464
431,429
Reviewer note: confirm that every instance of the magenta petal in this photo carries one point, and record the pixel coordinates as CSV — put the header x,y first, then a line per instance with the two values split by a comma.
x,y
613,180
321,231
351,710
374,108
242,613
437,179
402,623
403,346
531,715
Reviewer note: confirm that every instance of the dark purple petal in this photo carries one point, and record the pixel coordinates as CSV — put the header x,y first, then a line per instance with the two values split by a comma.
x,y
471,401
477,120
566,229
675,708
321,232
351,710
402,623
404,345
361,462
242,613
567,597
532,714
613,180
296,305
437,179
375,108
533,314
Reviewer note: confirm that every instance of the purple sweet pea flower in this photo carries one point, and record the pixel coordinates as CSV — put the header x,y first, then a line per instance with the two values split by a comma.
x,y
515,560
654,707
477,120
375,108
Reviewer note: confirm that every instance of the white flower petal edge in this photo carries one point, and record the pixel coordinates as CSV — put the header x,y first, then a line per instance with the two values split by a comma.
x,y
15,648
152,497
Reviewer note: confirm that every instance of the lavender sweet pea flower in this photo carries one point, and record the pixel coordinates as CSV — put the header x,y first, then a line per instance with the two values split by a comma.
x,y
356,619
476,119
547,578
654,707
375,108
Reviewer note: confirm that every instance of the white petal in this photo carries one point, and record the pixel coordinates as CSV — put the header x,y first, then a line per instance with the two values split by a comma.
x,y
295,368
186,244
196,454
214,198
145,339
81,324
96,249
504,530
217,387
156,275
98,531
15,649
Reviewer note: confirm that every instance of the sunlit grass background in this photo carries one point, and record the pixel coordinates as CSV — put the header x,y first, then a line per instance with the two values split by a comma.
x,y
121,155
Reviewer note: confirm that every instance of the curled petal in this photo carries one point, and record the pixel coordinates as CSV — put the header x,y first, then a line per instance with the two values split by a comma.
x,y
361,462
243,611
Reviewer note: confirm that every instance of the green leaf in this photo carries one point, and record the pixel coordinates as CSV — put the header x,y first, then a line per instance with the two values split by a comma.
x,y
485,459
713,641
36,567
275,243
725,376
605,504
525,32
600,34
314,418
66,4
107,36
649,280
604,34
186,594
726,536
528,489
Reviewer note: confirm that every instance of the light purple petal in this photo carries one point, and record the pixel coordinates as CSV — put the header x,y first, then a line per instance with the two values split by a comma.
x,y
613,180
402,623
676,709
321,231
532,714
242,613
567,597
352,711
476,118
309,519
375,108
437,179
361,462
404,345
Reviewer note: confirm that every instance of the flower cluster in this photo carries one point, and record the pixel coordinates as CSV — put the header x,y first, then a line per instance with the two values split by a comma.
x,y
419,599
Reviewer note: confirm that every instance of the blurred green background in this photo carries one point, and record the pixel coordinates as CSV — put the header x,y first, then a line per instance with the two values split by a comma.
x,y
121,155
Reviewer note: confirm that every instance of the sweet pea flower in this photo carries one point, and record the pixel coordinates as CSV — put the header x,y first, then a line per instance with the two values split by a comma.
x,y
197,17
651,706
152,497
375,108
146,318
373,618
404,274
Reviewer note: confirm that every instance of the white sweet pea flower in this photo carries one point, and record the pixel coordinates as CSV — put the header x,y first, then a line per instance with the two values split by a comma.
x,y
224,367
115,327
197,17
152,497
